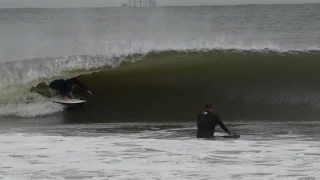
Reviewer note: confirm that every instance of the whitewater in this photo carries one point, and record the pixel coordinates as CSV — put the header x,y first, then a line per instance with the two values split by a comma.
x,y
151,70
159,151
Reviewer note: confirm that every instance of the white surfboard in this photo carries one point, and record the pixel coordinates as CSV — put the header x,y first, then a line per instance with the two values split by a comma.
x,y
59,99
234,136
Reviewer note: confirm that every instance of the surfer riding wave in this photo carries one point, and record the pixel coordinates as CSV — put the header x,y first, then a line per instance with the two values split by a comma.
x,y
64,87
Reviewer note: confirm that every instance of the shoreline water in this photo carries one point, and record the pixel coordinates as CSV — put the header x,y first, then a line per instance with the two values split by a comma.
x,y
121,151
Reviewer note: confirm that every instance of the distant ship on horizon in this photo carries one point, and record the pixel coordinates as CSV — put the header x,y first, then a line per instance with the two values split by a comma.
x,y
140,3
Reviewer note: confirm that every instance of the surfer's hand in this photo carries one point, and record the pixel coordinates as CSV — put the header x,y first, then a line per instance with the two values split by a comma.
x,y
90,92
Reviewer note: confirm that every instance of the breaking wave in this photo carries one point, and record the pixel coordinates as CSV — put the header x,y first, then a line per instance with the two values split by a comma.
x,y
172,84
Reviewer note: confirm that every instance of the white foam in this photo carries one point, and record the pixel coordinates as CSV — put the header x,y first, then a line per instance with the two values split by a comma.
x,y
121,48
30,109
16,79
122,156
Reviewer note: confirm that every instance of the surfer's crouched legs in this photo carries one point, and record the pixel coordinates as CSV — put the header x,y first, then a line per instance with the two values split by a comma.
x,y
64,87
71,95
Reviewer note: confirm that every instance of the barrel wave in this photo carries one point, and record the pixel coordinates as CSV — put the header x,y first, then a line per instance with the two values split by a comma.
x,y
173,85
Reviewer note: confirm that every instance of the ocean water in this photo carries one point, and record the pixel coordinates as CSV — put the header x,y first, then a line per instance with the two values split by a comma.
x,y
278,150
151,69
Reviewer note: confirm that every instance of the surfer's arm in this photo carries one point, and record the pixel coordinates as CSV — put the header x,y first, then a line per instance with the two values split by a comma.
x,y
79,83
82,85
221,124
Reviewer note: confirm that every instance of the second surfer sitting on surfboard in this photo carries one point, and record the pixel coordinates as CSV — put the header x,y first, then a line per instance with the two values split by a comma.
x,y
64,87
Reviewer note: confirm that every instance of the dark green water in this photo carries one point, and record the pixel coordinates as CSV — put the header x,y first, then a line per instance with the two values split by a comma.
x,y
172,86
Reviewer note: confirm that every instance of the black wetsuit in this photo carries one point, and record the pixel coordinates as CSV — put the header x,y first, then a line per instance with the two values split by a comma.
x,y
77,82
206,124
65,86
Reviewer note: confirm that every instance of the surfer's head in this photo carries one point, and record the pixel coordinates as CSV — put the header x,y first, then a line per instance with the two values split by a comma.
x,y
209,105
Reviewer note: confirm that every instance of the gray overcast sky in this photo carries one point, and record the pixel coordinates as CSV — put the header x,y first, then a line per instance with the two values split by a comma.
x,y
106,3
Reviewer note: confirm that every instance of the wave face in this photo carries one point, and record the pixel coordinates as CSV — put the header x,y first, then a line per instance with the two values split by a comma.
x,y
173,85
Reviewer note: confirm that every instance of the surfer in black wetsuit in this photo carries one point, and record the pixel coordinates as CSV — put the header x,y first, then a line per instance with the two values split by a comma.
x,y
64,87
207,121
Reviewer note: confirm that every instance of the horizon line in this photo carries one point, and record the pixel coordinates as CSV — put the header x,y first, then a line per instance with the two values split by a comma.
x,y
74,7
